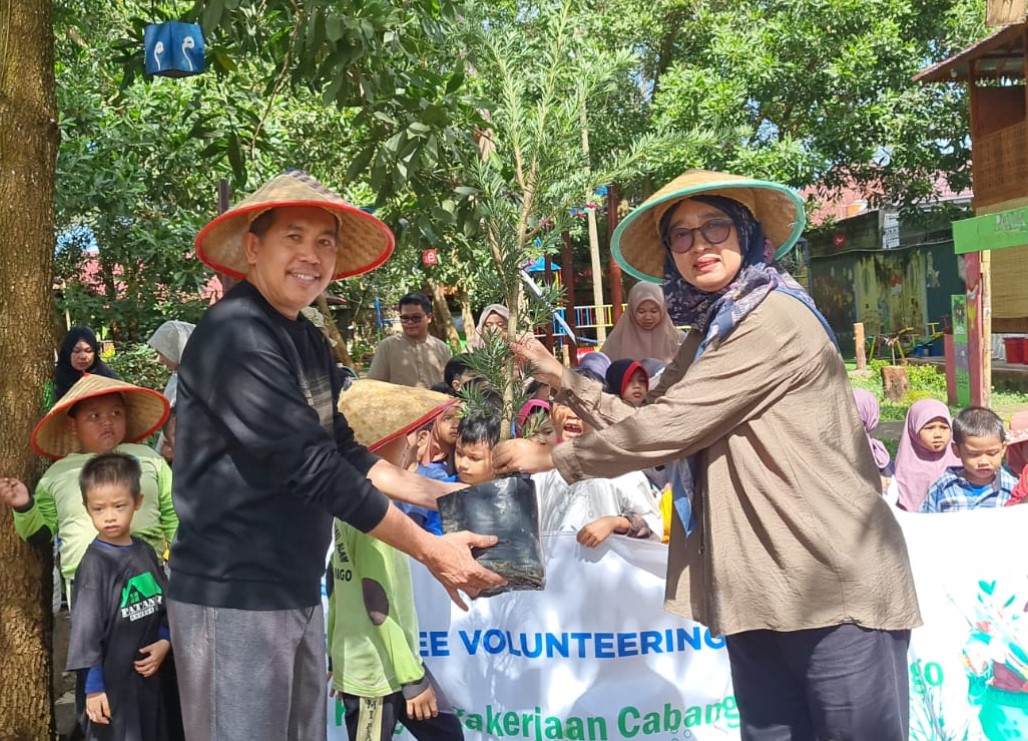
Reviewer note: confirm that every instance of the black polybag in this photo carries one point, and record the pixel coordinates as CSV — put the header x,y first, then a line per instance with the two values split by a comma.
x,y
506,508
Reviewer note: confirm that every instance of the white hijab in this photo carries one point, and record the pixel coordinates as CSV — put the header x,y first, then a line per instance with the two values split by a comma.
x,y
170,340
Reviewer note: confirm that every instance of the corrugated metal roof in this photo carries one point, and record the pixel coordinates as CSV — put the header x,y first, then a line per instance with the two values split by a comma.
x,y
996,56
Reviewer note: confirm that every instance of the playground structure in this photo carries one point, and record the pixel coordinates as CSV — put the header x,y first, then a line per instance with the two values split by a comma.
x,y
905,343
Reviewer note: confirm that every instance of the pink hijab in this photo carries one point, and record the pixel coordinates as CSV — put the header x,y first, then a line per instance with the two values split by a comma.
x,y
917,468
867,407
629,340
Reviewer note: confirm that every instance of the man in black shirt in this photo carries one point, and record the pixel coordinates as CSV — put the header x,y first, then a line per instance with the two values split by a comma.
x,y
263,463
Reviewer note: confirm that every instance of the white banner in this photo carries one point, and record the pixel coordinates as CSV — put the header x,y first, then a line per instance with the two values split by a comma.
x,y
595,656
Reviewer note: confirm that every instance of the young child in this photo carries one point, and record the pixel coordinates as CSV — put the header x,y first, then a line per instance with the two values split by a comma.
x,y
868,409
599,508
457,372
98,415
628,379
567,424
534,422
979,440
436,444
435,451
119,627
923,454
373,641
477,435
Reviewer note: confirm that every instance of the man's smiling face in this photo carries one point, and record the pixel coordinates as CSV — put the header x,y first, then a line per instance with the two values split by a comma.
x,y
292,263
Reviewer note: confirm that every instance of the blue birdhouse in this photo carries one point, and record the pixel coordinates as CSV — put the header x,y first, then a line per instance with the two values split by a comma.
x,y
174,49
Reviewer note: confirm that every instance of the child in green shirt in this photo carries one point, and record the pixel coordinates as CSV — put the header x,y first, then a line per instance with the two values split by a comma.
x,y
97,415
372,624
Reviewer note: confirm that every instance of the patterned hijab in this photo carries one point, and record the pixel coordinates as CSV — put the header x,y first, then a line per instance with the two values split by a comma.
x,y
716,314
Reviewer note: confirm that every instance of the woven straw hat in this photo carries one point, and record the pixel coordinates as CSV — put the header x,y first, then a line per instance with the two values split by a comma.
x,y
364,241
636,244
146,411
379,412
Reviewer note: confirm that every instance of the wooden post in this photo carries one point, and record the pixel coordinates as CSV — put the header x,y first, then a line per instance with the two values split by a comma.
x,y
858,339
986,328
594,238
568,272
616,297
979,302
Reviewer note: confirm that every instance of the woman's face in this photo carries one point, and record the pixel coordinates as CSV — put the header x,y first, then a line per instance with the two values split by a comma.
x,y
647,315
935,435
167,362
708,267
82,356
495,323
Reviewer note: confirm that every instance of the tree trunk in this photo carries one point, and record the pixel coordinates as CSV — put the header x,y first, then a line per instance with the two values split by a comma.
x,y
466,313
442,321
28,156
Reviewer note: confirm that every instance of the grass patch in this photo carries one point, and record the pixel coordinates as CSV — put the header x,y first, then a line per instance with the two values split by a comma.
x,y
926,382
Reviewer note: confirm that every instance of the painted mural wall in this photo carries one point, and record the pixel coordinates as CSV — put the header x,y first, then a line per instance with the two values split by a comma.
x,y
887,290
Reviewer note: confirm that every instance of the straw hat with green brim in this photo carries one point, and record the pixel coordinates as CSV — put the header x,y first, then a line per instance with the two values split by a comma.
x,y
145,412
639,250
380,412
364,241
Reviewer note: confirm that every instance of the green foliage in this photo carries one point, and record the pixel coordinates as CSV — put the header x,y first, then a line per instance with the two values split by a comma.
x,y
137,363
915,395
543,77
806,91
927,379
926,382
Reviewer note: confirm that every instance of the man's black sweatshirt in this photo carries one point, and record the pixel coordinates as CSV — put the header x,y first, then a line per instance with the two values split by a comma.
x,y
263,460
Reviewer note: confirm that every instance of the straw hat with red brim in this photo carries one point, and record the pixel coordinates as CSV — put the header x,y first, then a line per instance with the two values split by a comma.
x,y
364,241
637,245
145,412
380,412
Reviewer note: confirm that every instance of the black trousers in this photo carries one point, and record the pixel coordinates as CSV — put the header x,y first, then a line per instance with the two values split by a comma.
x,y
843,683
373,719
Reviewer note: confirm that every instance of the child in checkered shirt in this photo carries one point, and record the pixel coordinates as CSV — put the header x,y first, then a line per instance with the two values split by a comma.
x,y
979,440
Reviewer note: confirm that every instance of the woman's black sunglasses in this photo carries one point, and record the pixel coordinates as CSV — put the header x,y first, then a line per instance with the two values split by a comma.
x,y
680,239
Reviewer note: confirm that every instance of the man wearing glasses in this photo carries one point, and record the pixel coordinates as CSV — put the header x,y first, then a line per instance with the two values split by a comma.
x,y
413,357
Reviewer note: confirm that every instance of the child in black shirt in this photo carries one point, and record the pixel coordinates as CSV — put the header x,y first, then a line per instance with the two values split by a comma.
x,y
119,628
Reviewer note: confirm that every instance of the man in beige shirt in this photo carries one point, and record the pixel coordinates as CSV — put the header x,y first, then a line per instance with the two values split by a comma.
x,y
413,357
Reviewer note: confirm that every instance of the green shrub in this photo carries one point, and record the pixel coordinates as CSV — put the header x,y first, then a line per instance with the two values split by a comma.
x,y
927,378
920,395
892,412
137,364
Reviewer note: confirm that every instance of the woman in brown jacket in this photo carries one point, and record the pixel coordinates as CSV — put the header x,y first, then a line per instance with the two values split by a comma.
x,y
780,539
